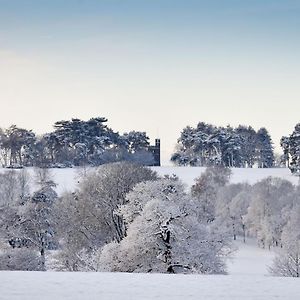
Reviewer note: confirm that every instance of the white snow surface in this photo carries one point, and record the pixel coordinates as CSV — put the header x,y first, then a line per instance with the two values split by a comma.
x,y
239,175
67,179
247,280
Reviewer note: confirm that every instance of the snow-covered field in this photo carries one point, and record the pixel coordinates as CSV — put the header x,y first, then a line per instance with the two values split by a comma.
x,y
248,279
188,174
68,178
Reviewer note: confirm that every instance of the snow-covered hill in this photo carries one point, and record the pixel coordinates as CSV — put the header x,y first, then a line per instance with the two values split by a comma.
x,y
68,178
188,174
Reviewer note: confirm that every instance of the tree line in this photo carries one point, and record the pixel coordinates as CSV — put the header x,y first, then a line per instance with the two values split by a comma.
x,y
72,143
78,143
209,145
240,147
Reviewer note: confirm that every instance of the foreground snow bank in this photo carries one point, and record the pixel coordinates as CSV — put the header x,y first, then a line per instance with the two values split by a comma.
x,y
108,286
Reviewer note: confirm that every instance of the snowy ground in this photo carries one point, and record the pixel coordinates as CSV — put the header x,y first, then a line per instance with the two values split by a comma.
x,y
239,175
250,259
247,280
68,178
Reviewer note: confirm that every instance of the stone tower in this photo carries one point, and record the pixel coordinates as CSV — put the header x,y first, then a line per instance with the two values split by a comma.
x,y
155,151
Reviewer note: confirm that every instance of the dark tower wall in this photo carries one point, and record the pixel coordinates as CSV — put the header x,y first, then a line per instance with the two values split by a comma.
x,y
155,151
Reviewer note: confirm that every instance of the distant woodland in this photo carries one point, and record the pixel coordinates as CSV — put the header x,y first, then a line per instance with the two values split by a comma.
x,y
73,143
241,147
78,143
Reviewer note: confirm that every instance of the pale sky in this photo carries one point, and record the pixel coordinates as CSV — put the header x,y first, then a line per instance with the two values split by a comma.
x,y
154,66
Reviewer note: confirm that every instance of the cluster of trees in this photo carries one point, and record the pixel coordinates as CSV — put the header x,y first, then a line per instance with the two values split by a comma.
x,y
268,211
291,150
122,217
27,220
209,145
75,142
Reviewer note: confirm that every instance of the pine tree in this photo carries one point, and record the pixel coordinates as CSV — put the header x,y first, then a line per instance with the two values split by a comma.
x,y
285,145
294,150
248,144
264,148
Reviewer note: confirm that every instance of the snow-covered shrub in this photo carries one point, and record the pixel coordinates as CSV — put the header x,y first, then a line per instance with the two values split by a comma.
x,y
20,260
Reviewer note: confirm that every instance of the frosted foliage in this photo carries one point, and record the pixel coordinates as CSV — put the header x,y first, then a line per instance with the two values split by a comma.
x,y
164,234
287,262
269,199
88,218
205,191
14,187
209,145
20,260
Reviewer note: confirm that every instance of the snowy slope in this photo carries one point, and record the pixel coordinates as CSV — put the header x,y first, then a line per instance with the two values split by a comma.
x,y
68,178
188,174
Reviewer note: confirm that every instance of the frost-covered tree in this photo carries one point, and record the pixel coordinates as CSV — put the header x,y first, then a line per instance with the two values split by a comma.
x,y
264,149
16,142
87,219
164,234
248,145
265,219
285,145
231,148
206,189
20,260
209,145
31,221
195,146
291,148
136,141
287,261
14,192
231,207
92,135
14,187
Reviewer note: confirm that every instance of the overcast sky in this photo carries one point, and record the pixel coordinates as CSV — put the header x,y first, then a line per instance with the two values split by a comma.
x,y
151,65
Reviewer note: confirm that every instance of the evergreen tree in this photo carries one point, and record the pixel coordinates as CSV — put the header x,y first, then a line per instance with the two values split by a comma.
x,y
264,149
285,145
294,150
248,144
208,145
